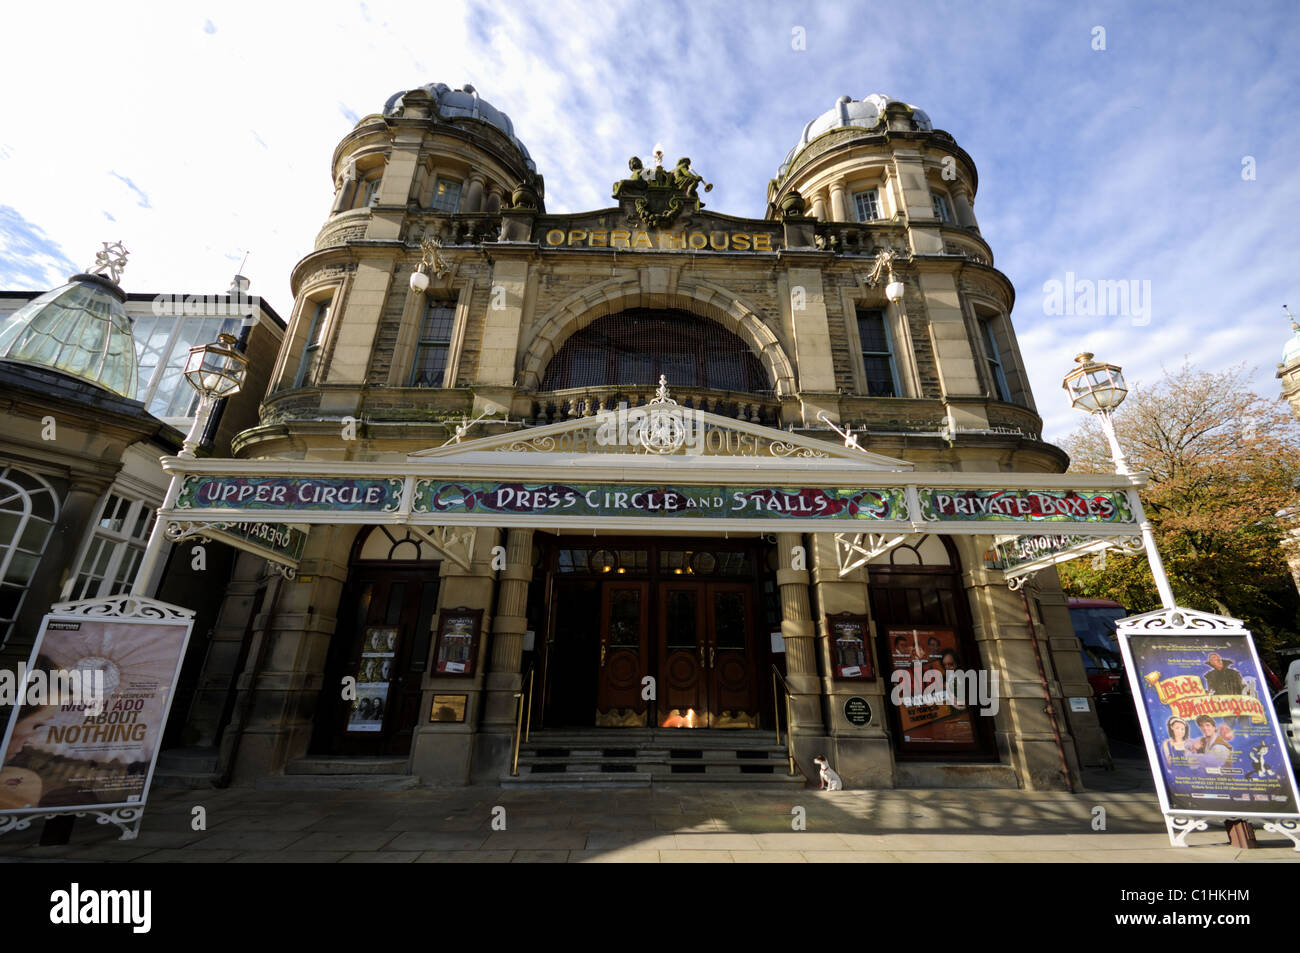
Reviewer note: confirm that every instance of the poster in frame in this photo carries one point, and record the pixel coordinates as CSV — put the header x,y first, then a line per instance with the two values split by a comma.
x,y
1211,735
456,643
58,756
850,639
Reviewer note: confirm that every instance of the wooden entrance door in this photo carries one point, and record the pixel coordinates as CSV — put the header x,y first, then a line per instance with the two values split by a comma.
x,y
624,648
385,621
731,656
683,657
706,656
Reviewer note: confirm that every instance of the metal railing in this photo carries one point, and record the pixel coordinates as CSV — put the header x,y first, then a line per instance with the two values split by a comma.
x,y
523,717
776,712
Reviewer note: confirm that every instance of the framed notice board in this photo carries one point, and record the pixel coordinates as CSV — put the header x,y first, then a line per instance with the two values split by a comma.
x,y
456,647
850,657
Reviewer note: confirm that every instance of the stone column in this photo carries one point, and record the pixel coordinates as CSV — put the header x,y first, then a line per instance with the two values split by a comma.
x,y
296,625
839,207
443,752
1022,727
496,198
1056,632
220,666
799,632
962,208
862,755
819,207
508,627
472,201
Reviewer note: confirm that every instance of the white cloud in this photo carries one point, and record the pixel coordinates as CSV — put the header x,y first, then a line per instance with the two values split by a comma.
x,y
1114,165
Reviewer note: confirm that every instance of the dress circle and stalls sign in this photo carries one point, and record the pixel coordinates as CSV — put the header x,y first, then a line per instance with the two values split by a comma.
x,y
70,750
1203,703
683,502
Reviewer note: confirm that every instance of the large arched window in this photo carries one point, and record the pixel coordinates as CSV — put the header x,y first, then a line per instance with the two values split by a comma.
x,y
29,509
635,346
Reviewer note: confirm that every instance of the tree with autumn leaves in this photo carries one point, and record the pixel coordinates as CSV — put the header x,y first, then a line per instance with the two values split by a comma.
x,y
1223,462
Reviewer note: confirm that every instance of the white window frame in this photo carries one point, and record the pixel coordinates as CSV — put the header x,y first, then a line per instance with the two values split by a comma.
x,y
123,544
863,353
150,387
433,195
993,357
941,206
313,342
8,547
874,192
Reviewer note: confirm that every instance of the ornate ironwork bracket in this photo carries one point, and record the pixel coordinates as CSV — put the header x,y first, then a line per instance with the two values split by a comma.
x,y
853,550
1179,827
124,606
126,818
454,542
1287,827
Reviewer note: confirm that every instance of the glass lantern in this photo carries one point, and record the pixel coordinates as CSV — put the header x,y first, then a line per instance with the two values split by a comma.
x,y
1095,387
216,370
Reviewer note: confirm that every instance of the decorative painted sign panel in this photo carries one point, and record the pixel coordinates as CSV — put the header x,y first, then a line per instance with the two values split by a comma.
x,y
943,505
340,494
708,502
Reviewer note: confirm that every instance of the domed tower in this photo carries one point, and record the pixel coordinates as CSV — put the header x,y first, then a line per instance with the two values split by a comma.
x,y
1288,371
873,179
878,159
436,168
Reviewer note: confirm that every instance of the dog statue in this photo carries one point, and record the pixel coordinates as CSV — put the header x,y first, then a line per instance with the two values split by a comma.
x,y
830,780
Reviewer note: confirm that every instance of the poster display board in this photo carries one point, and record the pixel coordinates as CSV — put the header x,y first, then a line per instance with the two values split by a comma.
x,y
67,754
457,641
850,655
374,673
1211,734
928,716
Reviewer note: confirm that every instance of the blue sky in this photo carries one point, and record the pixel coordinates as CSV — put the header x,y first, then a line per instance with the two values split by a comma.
x,y
196,133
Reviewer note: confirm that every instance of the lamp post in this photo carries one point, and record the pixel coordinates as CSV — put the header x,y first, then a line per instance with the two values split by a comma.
x,y
216,371
1099,388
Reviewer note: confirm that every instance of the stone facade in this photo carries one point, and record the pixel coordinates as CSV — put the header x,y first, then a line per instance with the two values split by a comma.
x,y
520,282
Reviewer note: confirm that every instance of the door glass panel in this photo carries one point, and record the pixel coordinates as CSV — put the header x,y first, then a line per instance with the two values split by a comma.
x,y
729,619
681,619
625,617
396,594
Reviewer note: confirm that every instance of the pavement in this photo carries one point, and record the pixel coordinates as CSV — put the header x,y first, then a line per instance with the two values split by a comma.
x,y
663,824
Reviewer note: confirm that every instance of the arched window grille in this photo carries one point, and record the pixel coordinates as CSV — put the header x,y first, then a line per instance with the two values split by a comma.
x,y
636,346
29,509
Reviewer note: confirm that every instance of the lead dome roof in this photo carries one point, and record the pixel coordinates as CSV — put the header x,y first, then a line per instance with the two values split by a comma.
x,y
464,102
866,113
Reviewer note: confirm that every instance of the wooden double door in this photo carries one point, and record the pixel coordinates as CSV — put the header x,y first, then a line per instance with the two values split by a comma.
x,y
692,640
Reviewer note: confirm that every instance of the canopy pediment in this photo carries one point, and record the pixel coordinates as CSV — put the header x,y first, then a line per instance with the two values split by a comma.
x,y
663,437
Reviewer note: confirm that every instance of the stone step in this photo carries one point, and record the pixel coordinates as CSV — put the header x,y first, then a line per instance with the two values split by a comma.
x,y
711,764
658,738
576,780
186,768
184,780
344,765
338,782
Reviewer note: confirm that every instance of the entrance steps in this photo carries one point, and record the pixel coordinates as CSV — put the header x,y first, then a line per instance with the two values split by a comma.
x,y
342,773
641,757
190,768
